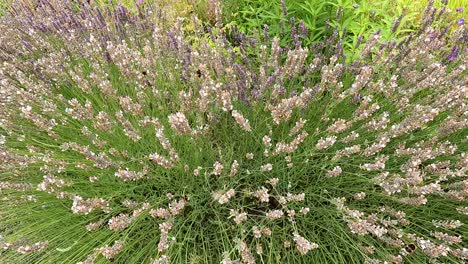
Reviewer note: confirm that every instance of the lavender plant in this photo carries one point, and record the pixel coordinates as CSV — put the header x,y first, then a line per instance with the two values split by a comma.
x,y
128,140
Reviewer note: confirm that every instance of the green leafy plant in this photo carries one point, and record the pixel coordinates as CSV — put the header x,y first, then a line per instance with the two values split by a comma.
x,y
359,19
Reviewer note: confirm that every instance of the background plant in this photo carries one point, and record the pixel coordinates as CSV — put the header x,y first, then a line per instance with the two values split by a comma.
x,y
3,6
126,139
418,5
173,8
358,19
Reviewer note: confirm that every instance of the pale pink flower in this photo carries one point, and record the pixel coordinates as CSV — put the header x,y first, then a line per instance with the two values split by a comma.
x,y
303,245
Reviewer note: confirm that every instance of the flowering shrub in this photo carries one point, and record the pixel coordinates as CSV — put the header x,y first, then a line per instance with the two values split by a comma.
x,y
125,139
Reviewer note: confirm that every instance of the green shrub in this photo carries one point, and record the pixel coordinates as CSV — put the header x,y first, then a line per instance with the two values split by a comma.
x,y
125,139
360,19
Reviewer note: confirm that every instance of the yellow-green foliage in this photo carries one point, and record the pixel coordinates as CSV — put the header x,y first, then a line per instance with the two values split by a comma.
x,y
4,5
417,6
172,8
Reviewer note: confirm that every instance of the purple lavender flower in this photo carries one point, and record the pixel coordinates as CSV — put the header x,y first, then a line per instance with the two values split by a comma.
x,y
265,33
459,10
358,42
282,91
292,21
284,8
339,13
256,93
453,53
356,98
461,21
303,29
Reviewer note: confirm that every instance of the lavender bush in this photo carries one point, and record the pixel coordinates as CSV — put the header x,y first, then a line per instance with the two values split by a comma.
x,y
130,140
